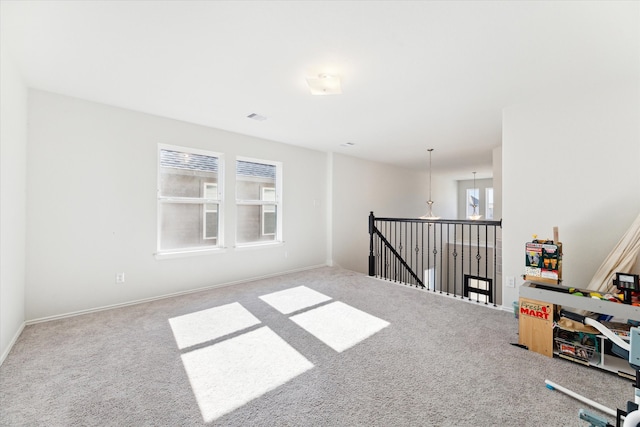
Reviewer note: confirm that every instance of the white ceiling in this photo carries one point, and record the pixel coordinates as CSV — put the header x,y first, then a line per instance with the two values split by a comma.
x,y
415,75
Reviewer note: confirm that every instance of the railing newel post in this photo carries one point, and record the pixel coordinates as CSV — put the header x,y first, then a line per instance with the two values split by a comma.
x,y
372,258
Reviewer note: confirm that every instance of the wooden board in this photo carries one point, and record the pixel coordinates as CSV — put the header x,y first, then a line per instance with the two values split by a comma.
x,y
540,280
536,325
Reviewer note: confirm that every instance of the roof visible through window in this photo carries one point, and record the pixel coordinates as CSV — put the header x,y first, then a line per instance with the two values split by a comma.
x,y
255,169
189,161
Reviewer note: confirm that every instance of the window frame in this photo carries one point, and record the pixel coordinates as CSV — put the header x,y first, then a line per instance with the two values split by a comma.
x,y
277,204
203,201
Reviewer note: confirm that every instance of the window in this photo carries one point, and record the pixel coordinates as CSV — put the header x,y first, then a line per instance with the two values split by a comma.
x,y
189,199
259,201
489,203
473,198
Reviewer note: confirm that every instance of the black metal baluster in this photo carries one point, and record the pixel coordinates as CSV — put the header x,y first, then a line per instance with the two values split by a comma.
x,y
455,257
377,254
448,269
386,260
422,254
478,258
435,260
395,245
464,274
486,258
403,242
470,267
400,246
495,266
427,253
386,249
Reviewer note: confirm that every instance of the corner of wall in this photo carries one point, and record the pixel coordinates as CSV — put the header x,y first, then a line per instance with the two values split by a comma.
x,y
13,149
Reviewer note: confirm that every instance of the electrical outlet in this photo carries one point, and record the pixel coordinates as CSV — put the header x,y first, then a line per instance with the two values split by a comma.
x,y
119,277
511,282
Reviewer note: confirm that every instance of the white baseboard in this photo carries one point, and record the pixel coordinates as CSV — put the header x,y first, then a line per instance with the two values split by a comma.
x,y
175,294
12,343
508,308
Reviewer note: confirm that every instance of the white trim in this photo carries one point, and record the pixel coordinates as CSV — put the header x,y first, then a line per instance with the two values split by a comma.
x,y
506,308
161,297
256,203
12,343
258,245
208,250
188,200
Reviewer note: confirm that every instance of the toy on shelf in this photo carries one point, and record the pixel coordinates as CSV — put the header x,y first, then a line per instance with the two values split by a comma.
x,y
629,285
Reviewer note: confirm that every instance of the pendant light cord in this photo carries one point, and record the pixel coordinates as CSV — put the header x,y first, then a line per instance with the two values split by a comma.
x,y
430,150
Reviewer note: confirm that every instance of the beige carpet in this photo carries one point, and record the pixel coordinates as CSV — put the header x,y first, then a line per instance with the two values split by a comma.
x,y
325,347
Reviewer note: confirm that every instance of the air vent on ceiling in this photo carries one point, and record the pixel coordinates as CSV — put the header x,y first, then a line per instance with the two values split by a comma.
x,y
257,117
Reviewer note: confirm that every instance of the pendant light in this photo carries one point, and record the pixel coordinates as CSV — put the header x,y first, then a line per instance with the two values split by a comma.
x,y
474,202
430,214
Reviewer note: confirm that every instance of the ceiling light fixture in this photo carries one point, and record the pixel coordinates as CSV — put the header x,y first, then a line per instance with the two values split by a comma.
x,y
324,84
475,201
430,214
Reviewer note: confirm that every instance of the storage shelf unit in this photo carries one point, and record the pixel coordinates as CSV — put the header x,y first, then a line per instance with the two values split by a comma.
x,y
615,364
566,300
537,332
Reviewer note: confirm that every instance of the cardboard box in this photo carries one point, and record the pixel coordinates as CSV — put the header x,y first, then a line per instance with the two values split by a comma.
x,y
535,325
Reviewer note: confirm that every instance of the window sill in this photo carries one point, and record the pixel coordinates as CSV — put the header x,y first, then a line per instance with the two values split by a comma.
x,y
258,245
188,253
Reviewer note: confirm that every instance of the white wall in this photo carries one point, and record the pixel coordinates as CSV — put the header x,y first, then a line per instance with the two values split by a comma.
x,y
13,150
360,186
497,183
91,207
445,196
572,162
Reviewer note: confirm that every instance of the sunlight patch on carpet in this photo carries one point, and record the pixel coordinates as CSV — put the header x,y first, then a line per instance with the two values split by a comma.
x,y
229,374
206,325
294,299
339,325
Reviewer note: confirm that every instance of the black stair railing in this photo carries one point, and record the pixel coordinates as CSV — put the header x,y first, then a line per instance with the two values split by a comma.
x,y
455,257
